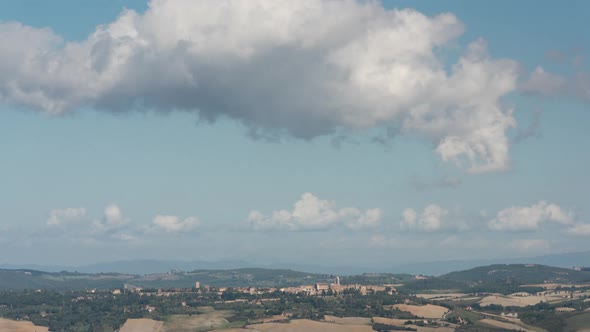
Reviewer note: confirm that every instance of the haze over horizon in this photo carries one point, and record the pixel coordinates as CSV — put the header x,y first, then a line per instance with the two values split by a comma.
x,y
321,132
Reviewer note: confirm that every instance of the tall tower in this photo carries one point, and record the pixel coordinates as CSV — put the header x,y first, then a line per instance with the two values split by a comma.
x,y
197,285
337,280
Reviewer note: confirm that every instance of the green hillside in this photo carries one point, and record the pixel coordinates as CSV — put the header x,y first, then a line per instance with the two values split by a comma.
x,y
492,278
256,277
519,273
499,278
30,279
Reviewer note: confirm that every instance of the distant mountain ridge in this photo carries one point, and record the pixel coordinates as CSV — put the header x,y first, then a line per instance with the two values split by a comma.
x,y
151,266
140,266
498,275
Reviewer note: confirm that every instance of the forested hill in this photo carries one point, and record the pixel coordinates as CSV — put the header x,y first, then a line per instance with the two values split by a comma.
x,y
520,273
503,277
257,277
31,279
500,278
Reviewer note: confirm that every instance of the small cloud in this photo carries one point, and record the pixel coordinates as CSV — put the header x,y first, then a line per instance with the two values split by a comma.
x,y
430,220
544,83
409,217
123,237
60,217
312,213
113,215
528,218
112,220
369,219
112,227
173,224
541,82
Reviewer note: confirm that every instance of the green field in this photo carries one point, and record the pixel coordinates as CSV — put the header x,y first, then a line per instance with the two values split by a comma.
x,y
206,320
578,322
465,315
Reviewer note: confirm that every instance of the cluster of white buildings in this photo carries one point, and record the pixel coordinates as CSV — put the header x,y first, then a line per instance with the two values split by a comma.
x,y
335,288
310,290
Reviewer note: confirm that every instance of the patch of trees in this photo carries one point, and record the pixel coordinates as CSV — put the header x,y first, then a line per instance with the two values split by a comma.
x,y
547,320
386,327
416,286
502,287
375,279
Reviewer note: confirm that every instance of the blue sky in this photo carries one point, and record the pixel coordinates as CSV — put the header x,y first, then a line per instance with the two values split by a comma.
x,y
107,164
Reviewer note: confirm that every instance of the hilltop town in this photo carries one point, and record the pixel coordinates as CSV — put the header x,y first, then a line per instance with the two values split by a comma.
x,y
491,298
316,289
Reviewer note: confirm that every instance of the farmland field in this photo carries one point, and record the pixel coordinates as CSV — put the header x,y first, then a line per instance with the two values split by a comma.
x,y
209,320
502,325
579,322
389,321
488,319
305,325
7,325
425,311
515,301
142,325
348,320
201,322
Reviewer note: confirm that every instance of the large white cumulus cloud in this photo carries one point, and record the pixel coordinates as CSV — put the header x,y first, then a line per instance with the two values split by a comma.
x,y
307,68
313,213
528,218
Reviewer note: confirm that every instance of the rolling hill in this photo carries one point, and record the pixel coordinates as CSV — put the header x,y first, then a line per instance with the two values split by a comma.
x,y
32,279
499,278
519,273
485,278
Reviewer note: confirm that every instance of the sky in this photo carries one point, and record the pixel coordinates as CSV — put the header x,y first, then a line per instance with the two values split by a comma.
x,y
334,132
